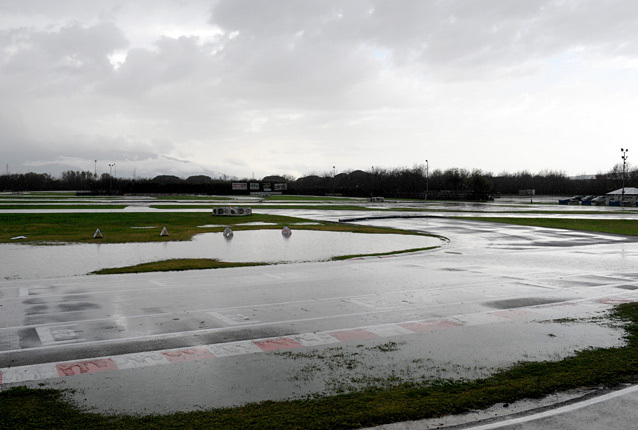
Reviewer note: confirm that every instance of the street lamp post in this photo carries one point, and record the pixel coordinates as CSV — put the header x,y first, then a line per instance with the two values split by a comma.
x,y
372,188
427,179
95,173
334,171
110,178
624,164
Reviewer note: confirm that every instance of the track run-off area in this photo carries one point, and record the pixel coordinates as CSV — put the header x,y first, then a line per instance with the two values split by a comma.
x,y
490,296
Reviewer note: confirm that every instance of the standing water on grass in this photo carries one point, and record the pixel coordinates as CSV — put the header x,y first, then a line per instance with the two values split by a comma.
x,y
24,261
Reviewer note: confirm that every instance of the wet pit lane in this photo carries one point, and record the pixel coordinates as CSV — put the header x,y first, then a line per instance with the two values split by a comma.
x,y
492,296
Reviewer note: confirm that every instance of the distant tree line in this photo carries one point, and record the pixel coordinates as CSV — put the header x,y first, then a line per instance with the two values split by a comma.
x,y
412,182
87,183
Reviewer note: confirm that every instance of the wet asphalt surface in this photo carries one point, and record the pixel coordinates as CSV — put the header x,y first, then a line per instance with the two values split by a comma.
x,y
491,296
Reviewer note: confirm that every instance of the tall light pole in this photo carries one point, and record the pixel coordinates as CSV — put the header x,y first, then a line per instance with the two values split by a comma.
x,y
624,164
110,177
427,179
95,173
372,189
334,171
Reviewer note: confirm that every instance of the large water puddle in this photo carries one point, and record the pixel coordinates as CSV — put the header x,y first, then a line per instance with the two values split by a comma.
x,y
23,261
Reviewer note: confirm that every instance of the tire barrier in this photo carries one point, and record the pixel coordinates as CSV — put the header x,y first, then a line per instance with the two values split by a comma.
x,y
286,232
231,211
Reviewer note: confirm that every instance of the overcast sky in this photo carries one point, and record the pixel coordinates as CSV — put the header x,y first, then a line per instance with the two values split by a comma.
x,y
295,87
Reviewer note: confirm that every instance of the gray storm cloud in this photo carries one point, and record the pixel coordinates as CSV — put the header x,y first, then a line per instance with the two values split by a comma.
x,y
292,87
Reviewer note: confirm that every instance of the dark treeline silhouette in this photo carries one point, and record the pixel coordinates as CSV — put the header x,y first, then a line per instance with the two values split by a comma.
x,y
87,183
456,183
412,182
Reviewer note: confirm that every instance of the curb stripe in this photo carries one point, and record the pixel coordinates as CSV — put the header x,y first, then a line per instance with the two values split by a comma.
x,y
136,360
190,354
277,344
87,366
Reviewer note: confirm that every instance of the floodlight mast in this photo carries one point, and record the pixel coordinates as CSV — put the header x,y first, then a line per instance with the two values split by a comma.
x,y
427,178
624,165
110,178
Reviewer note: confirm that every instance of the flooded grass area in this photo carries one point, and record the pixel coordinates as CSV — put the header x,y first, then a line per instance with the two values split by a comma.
x,y
120,227
175,264
24,261
116,227
435,357
377,400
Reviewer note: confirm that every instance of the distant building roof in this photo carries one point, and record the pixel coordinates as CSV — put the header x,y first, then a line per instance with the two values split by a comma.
x,y
629,191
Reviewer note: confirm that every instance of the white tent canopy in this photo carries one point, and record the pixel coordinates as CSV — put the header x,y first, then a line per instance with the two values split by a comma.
x,y
629,191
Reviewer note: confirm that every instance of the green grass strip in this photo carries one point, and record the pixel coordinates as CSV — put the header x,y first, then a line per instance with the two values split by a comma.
x,y
289,197
614,226
124,227
380,254
175,264
46,408
319,206
61,206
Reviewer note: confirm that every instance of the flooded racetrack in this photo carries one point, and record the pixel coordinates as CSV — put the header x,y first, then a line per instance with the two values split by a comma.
x,y
157,342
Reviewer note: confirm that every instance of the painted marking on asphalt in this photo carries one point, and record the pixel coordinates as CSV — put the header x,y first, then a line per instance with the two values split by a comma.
x,y
314,339
478,319
87,366
58,335
514,314
424,326
389,330
557,305
357,334
139,359
610,301
234,348
277,344
188,354
232,318
373,305
24,292
33,372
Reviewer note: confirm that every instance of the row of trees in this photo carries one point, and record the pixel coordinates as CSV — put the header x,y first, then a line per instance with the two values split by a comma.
x,y
403,182
87,182
457,183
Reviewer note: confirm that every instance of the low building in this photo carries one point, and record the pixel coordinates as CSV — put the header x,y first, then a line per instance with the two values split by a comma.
x,y
629,199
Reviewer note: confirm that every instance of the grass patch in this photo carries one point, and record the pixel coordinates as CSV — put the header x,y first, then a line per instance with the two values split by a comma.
x,y
175,264
60,206
310,198
191,197
47,408
120,227
318,206
614,226
380,254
